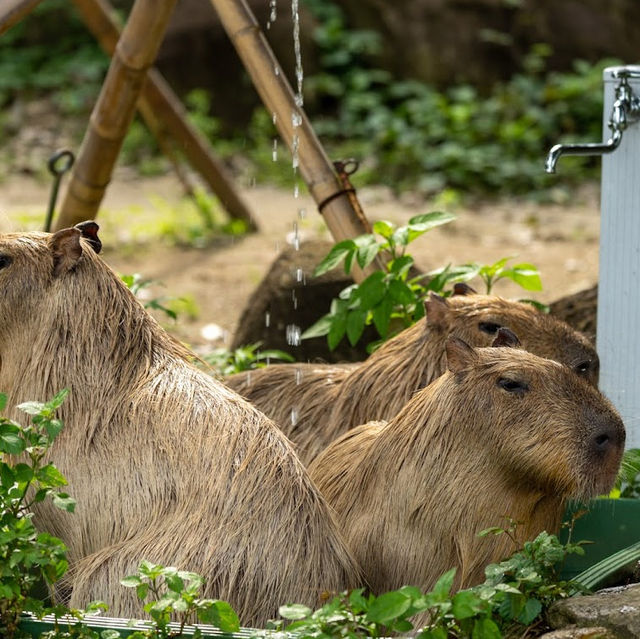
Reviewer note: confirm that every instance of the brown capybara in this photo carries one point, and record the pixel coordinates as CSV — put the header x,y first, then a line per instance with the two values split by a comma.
x,y
314,404
166,463
503,433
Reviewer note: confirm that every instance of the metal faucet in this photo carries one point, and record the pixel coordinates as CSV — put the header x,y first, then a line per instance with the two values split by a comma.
x,y
625,111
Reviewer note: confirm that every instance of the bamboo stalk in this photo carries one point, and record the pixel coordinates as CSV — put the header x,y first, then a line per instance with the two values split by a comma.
x,y
278,97
158,99
13,11
135,52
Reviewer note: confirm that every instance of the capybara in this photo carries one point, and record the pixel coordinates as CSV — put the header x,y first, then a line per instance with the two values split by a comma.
x,y
166,463
314,404
503,433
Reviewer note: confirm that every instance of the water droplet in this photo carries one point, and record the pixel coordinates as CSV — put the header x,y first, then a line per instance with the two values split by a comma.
x,y
302,213
295,14
293,333
273,13
298,275
295,300
294,416
274,152
252,182
296,119
274,117
276,70
296,190
298,376
267,319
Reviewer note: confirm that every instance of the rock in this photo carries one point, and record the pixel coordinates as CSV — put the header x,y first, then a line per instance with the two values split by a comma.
x,y
579,310
292,297
580,633
617,609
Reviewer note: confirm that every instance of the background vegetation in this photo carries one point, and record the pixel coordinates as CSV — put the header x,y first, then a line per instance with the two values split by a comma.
x,y
406,134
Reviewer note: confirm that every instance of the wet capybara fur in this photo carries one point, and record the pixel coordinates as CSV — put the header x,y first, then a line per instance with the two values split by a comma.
x,y
503,433
166,464
314,403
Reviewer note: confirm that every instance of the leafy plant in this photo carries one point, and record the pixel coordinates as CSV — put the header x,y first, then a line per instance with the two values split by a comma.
x,y
137,284
392,298
628,481
244,358
514,596
27,556
176,593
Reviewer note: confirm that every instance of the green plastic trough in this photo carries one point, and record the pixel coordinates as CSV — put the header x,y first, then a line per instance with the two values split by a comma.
x,y
610,524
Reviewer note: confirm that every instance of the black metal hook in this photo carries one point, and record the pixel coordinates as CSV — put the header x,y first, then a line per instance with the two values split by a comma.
x,y
59,163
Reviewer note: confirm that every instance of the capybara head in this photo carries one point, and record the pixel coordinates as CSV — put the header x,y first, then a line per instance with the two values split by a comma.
x,y
545,427
477,318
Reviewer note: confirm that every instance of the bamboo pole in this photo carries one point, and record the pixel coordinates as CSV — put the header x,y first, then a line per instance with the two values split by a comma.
x,y
135,52
13,11
157,99
278,97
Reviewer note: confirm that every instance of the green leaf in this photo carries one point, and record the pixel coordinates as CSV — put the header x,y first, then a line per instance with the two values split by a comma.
x,y
337,329
22,473
64,502
401,293
53,427
174,582
58,399
444,584
11,441
388,606
335,256
3,401
465,604
434,633
142,590
32,408
293,612
319,328
540,306
384,228
420,224
227,619
366,254
532,608
49,475
355,325
526,275
486,629
382,316
131,582
371,290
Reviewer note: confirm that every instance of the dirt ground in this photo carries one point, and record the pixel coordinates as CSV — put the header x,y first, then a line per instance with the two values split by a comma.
x,y
217,280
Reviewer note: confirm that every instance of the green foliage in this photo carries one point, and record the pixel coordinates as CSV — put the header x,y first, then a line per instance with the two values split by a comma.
x,y
415,136
167,305
27,556
176,593
51,52
514,596
393,298
244,358
628,481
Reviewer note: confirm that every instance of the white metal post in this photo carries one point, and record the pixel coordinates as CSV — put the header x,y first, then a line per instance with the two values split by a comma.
x,y
618,334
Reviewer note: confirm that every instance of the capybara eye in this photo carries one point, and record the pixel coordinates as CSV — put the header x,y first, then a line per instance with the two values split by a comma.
x,y
513,385
489,327
5,260
583,367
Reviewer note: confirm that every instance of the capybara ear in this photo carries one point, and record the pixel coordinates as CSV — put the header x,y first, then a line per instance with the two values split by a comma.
x,y
459,354
66,249
437,310
89,230
461,288
506,337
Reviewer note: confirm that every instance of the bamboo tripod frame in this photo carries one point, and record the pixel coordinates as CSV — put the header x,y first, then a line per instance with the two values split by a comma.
x,y
130,80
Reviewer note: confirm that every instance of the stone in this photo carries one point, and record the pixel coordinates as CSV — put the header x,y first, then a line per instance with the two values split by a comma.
x,y
293,297
580,633
616,609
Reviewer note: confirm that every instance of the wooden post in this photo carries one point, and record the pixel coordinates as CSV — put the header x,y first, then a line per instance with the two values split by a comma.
x,y
169,116
12,11
135,52
277,95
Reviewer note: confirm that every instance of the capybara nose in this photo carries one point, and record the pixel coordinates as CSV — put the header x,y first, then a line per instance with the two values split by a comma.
x,y
608,436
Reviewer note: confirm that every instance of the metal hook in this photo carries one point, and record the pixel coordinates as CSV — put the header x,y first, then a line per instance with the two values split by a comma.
x,y
59,163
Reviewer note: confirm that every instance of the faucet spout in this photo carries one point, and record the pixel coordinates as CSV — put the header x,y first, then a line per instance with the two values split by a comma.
x,y
581,149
